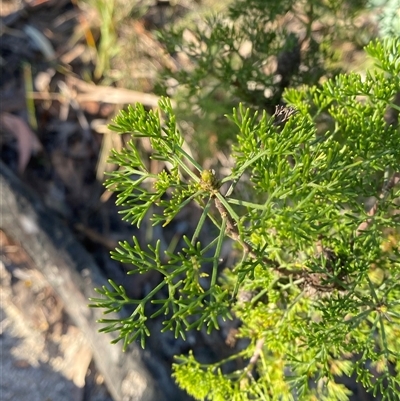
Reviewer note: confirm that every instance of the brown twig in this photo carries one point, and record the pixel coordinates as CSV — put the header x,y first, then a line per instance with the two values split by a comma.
x,y
394,180
85,92
256,355
233,232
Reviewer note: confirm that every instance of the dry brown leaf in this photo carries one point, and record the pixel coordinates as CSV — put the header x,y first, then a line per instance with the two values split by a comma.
x,y
28,143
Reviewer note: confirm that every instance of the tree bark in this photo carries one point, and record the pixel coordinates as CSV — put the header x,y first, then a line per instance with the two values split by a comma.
x,y
73,274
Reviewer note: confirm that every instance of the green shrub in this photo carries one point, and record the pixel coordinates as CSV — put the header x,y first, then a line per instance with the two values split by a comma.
x,y
250,54
315,216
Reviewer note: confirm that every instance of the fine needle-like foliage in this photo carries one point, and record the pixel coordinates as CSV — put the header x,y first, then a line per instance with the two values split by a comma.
x,y
314,213
251,53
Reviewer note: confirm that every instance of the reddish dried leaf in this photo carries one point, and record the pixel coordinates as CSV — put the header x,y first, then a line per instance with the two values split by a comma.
x,y
28,143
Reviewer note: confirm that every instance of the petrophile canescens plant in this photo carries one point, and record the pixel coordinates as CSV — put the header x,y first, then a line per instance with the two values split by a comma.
x,y
313,211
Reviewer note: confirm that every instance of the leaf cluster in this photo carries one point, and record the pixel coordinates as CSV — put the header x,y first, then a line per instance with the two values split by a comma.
x,y
315,218
250,54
